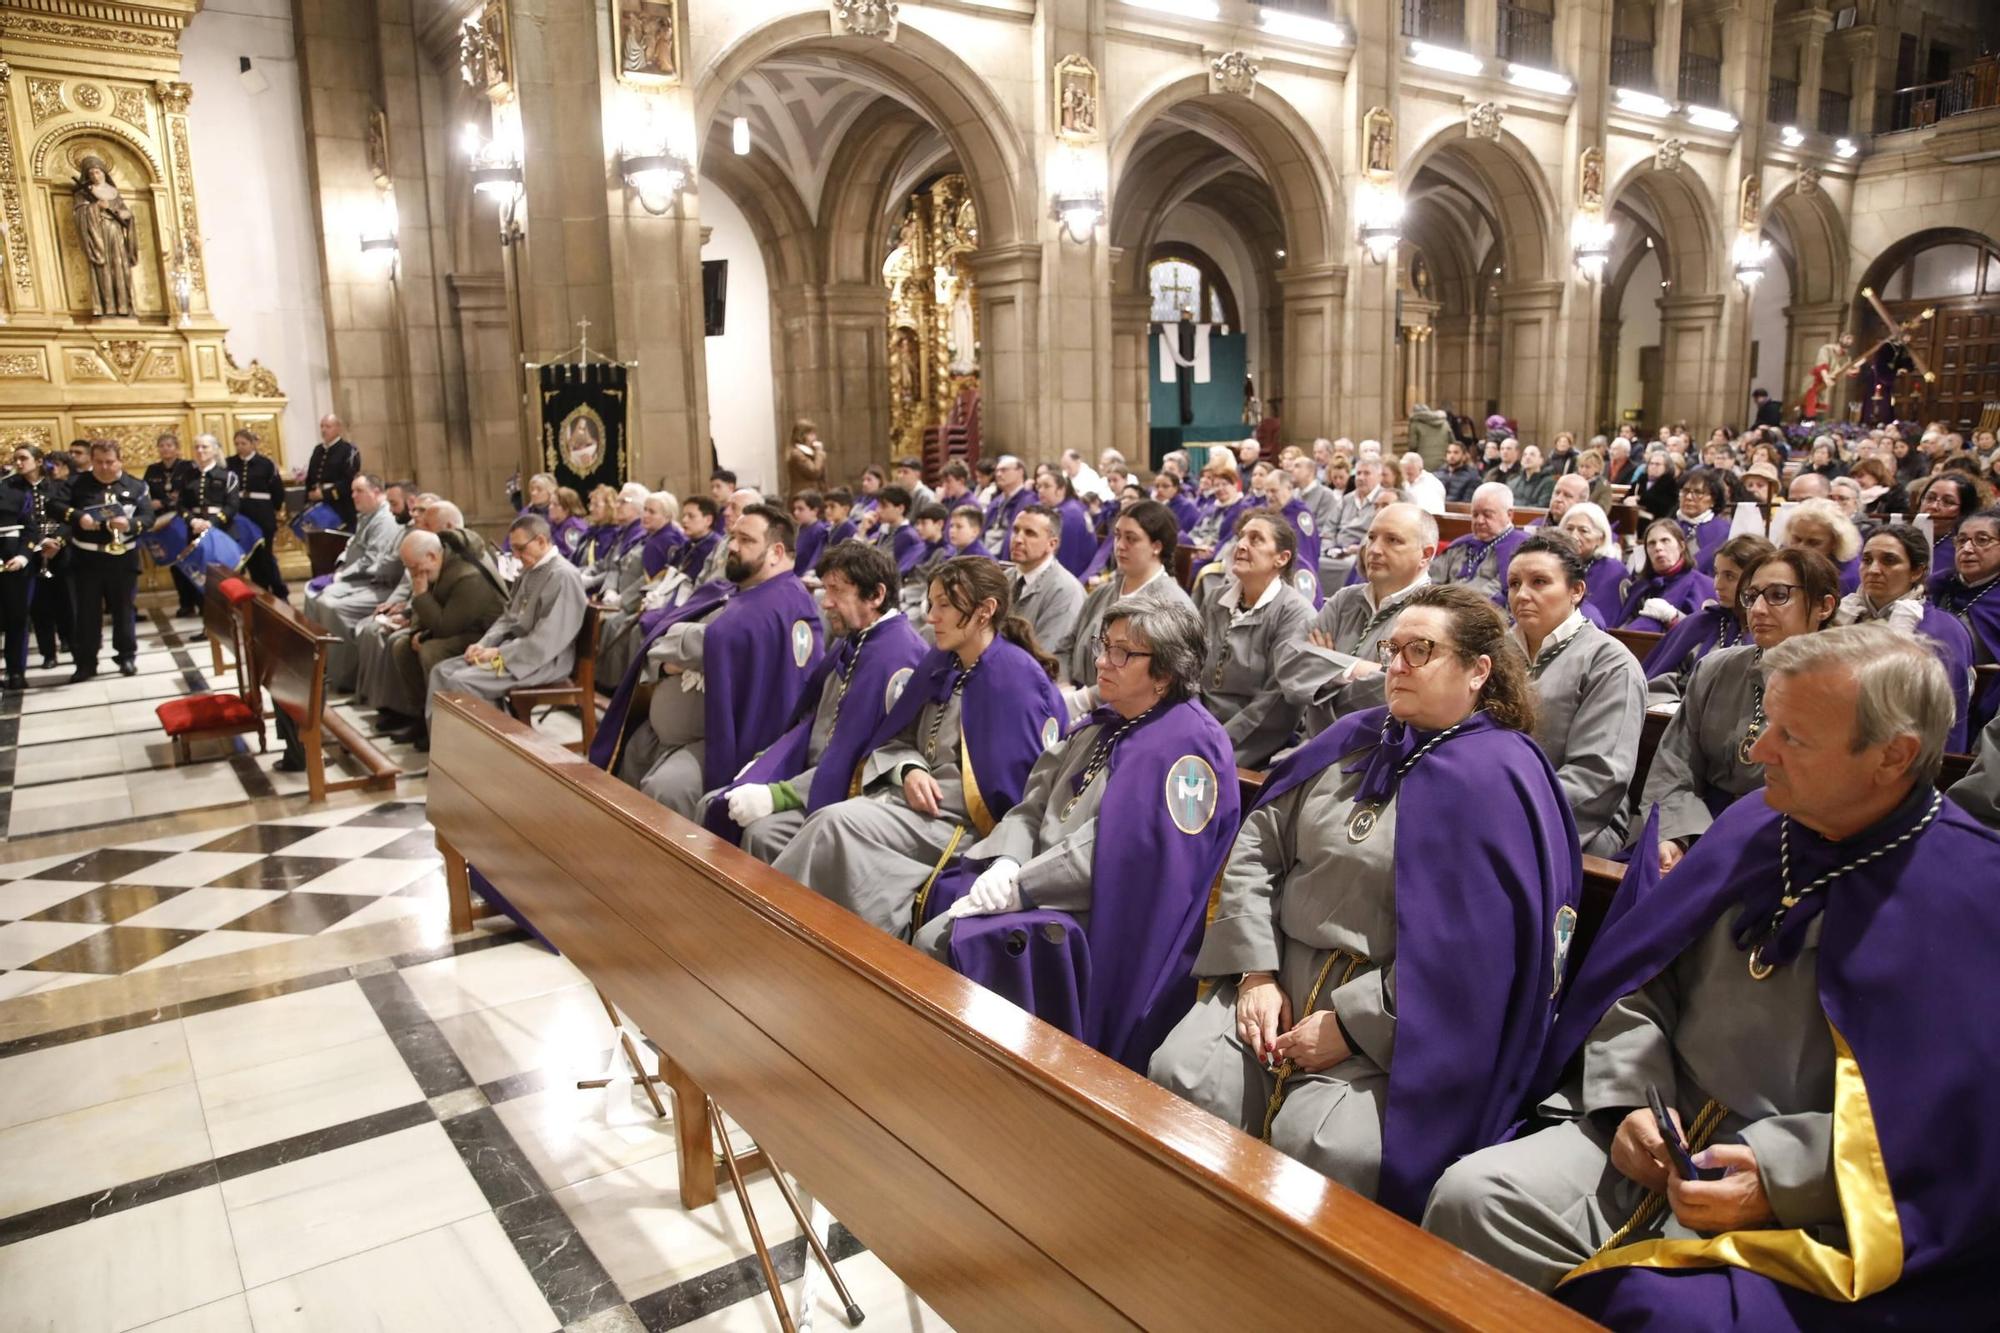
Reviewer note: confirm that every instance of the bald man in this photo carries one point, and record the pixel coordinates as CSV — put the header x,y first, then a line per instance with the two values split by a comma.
x,y
331,470
1809,486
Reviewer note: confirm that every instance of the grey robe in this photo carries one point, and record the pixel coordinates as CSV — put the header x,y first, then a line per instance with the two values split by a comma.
x,y
872,853
1311,680
1349,528
362,580
664,756
1054,841
1238,679
1302,901
536,636
1485,578
1052,604
1978,792
1080,664
619,638
1537,1207
1697,756
1590,706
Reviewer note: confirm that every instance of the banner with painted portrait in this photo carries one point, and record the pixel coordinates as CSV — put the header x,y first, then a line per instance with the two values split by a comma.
x,y
583,424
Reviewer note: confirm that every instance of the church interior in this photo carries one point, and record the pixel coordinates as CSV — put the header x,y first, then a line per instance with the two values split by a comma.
x,y
470,468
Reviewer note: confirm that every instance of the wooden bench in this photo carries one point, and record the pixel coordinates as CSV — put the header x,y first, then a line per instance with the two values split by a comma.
x,y
220,714
290,656
1011,1176
579,691
1640,642
323,550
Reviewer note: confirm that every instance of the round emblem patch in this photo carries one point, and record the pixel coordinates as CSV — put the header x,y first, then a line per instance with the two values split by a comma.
x,y
1303,581
1565,931
1306,524
897,682
802,642
1051,733
1191,793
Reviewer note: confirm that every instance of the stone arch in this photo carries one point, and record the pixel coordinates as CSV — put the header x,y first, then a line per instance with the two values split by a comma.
x,y
1815,245
764,193
860,197
1268,133
1685,216
135,144
1884,266
1518,194
931,77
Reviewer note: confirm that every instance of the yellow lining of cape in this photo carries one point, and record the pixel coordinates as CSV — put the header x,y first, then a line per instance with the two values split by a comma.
x,y
1874,1259
975,805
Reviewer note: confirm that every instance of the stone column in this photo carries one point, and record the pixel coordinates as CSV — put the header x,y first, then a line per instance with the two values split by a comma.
x,y
1812,60
1482,28
1131,378
1667,49
1314,299
1691,330
1360,399
855,376
1608,405
1010,347
1531,327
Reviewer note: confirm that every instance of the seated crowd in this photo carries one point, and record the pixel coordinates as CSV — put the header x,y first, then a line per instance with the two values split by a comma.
x,y
1244,775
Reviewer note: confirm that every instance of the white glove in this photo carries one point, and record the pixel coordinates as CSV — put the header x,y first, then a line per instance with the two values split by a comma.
x,y
750,803
18,563
691,680
996,890
1656,608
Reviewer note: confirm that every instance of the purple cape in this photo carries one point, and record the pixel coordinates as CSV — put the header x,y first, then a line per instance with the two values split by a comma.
x,y
569,535
627,537
1693,637
1186,510
1978,609
1120,984
1850,576
690,556
610,738
594,545
811,541
1903,977
1602,590
757,656
660,548
1002,715
1501,888
1465,554
974,551
1953,645
892,645
1078,544
1004,509
1684,591
843,533
906,548
1707,538
1305,565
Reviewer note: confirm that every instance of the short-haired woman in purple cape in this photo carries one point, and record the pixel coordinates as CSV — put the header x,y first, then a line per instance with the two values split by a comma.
x,y
1893,564
1097,934
950,759
1717,624
1970,591
1392,921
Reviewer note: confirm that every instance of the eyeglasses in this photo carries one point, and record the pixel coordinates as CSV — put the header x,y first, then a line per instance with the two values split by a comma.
x,y
1777,594
1116,654
1978,541
1416,653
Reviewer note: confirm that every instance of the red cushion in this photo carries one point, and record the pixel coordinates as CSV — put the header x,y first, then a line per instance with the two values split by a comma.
x,y
236,590
204,712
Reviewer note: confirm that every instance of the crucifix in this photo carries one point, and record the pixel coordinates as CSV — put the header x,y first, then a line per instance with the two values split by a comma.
x,y
1898,333
583,339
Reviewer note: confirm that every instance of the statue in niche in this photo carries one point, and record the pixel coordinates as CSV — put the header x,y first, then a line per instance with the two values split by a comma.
x,y
109,234
1380,130
960,340
1420,276
909,370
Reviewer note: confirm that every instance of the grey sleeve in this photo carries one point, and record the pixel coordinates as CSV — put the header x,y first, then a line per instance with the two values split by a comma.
x,y
1674,780
1058,628
1629,1050
681,645
1978,792
551,635
1304,672
1596,772
1244,936
1367,1009
897,753
1795,1162
1058,876
1268,720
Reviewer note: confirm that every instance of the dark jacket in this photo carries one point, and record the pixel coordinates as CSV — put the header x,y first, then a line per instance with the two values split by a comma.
x,y
87,493
459,606
259,491
211,495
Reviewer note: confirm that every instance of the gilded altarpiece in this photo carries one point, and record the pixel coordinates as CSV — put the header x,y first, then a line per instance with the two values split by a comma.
x,y
933,311
101,81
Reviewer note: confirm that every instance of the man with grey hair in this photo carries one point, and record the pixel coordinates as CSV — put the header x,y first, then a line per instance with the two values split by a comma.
x,y
362,580
1480,558
534,640
1011,494
1829,941
1808,486
1333,671
1357,510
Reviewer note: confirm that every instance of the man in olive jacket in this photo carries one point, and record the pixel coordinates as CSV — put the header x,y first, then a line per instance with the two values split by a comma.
x,y
453,601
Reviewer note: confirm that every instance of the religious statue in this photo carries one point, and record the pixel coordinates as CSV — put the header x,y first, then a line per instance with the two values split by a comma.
x,y
1076,100
109,234
960,342
1831,361
1420,276
1380,156
646,41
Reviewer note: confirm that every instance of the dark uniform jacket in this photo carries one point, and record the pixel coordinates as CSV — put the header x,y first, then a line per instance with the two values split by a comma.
x,y
87,493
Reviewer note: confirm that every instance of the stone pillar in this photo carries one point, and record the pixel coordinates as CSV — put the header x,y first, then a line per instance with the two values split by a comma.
x,y
855,378
1531,327
1456,357
1691,330
1667,49
1482,28
1365,377
1313,300
1812,61
1608,405
1131,378
1010,350
1871,76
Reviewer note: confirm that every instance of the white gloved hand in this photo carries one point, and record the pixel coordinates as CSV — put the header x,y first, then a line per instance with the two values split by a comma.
x,y
996,890
1657,608
750,803
691,680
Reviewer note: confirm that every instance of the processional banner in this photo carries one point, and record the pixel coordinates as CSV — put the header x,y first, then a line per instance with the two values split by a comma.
x,y
583,424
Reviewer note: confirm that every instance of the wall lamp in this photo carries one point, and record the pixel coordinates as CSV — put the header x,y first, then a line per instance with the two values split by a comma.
x,y
656,178
1079,212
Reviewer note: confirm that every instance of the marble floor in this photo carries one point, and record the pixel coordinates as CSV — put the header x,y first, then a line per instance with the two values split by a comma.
x,y
250,1081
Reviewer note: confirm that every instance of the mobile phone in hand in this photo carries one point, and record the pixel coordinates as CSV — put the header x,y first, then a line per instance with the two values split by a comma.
x,y
1677,1147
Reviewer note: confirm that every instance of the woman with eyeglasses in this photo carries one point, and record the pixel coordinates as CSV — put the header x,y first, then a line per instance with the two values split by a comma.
x,y
1590,695
948,762
1718,624
1383,984
1669,587
1143,538
1893,561
1947,498
1084,905
1704,517
1969,594
1256,615
1703,762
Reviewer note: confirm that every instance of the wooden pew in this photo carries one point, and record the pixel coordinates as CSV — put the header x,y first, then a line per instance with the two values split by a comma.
x,y
1012,1177
323,550
290,654
1641,642
1452,526
579,691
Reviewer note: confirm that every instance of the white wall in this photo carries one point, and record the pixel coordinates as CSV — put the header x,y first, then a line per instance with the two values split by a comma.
x,y
256,203
742,391
1639,326
1770,330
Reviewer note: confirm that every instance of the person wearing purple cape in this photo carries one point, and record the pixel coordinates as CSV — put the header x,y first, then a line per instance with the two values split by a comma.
x,y
1669,587
600,535
632,584
1385,973
1479,558
1718,624
1280,498
808,515
566,524
1168,491
1947,500
1075,544
840,524
961,533
1084,905
1820,525
1808,994
894,534
1011,495
1589,530
1704,517
1893,561
1703,763
1217,526
620,561
841,707
1968,594
727,684
949,760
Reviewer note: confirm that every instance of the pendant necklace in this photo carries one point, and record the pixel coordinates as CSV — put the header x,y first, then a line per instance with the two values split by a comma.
x,y
1368,814
1759,969
1100,755
1756,727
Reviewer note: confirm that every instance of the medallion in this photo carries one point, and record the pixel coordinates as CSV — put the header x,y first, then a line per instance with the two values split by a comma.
x,y
1362,822
1749,740
1759,969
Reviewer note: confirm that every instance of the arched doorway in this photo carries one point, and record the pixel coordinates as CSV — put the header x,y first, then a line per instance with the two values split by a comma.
x,y
1955,274
1670,352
